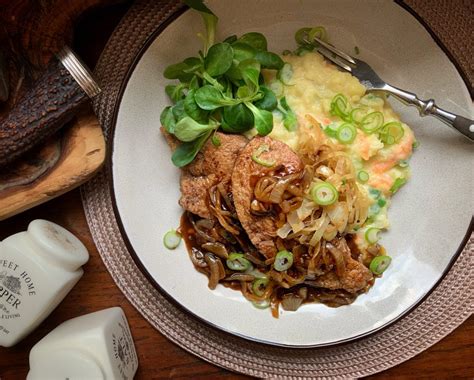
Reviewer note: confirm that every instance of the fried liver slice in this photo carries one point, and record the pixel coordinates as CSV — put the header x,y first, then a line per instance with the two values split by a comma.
x,y
260,229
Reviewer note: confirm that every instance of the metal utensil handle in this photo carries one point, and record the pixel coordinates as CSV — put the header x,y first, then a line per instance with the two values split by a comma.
x,y
428,107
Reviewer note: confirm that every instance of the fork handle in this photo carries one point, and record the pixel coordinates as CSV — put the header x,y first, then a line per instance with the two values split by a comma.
x,y
428,107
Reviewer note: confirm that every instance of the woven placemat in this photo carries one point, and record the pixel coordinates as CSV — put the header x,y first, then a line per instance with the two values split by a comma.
x,y
442,311
452,24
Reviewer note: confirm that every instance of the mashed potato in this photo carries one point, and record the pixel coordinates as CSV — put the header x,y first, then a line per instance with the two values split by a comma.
x,y
313,85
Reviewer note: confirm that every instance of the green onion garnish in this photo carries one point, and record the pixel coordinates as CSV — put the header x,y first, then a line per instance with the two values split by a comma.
x,y
357,114
331,130
265,304
346,133
399,182
323,193
301,36
340,107
283,261
256,156
171,239
372,235
372,122
285,74
374,209
403,163
317,32
379,264
259,286
238,262
375,193
416,144
381,202
391,133
363,176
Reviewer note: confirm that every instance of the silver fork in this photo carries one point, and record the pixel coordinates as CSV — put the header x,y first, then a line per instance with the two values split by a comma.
x,y
372,81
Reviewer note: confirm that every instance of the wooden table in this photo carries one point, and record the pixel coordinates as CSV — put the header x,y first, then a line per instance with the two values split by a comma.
x,y
159,358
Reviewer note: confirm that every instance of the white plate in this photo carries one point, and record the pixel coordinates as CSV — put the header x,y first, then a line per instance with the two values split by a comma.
x,y
429,216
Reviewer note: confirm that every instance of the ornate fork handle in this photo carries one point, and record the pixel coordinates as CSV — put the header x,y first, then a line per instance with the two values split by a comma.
x,y
428,107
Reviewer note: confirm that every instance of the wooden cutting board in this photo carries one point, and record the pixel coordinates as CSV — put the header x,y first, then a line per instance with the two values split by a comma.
x,y
66,161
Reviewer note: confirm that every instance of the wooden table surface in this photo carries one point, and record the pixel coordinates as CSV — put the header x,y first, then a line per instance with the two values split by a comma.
x,y
159,358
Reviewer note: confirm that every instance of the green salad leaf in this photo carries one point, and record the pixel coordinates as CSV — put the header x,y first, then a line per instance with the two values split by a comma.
x,y
221,88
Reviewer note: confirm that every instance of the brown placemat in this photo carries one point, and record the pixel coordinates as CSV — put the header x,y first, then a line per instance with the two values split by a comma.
x,y
452,24
442,311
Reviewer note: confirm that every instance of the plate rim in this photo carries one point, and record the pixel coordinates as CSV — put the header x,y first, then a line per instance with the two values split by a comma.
x,y
136,259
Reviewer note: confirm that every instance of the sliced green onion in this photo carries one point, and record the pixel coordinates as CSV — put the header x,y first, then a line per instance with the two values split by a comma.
x,y
171,239
301,36
285,74
317,32
379,264
381,202
303,50
372,122
403,163
238,262
255,272
259,286
392,133
265,304
357,114
323,193
256,156
415,145
283,261
372,235
346,133
277,87
399,182
340,107
363,176
331,130
374,209
375,193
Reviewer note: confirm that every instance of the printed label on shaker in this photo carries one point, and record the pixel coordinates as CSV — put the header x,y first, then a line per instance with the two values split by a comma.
x,y
16,286
124,350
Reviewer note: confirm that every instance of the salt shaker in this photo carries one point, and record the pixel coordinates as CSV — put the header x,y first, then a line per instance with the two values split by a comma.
x,y
38,268
94,346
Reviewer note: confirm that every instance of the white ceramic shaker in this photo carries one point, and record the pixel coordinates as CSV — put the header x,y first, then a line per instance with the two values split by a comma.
x,y
38,268
95,346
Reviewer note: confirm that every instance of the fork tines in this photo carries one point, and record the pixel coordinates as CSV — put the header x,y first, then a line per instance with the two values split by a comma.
x,y
335,55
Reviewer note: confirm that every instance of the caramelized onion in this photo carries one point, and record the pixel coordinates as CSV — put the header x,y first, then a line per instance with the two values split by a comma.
x,y
197,257
338,258
218,249
201,226
276,195
263,188
240,277
291,302
217,271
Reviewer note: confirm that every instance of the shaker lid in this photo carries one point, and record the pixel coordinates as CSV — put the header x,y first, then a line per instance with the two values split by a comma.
x,y
58,244
65,364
